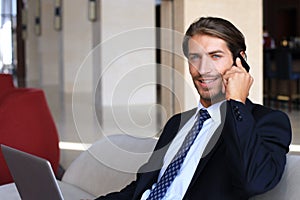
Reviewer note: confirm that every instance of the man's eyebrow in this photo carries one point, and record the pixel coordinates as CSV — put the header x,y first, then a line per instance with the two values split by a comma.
x,y
216,51
194,53
208,53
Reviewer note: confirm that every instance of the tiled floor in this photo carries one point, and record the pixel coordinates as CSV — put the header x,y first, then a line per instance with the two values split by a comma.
x,y
77,122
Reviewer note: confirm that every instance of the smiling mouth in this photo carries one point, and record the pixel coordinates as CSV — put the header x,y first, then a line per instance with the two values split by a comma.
x,y
208,80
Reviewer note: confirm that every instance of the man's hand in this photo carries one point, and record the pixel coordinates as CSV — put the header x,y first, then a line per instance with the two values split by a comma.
x,y
237,82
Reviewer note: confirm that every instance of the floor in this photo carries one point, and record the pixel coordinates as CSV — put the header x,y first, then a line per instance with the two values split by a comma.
x,y
79,126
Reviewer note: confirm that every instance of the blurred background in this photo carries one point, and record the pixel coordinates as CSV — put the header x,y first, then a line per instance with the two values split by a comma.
x,y
110,67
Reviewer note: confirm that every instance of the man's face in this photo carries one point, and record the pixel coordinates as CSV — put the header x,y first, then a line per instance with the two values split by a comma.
x,y
209,57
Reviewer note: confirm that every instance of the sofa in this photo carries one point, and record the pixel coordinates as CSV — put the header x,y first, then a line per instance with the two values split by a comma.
x,y
93,174
97,170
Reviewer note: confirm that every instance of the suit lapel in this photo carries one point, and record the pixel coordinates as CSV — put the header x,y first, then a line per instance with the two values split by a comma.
x,y
216,140
156,160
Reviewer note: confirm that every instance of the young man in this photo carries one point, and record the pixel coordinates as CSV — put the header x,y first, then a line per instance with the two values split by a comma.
x,y
237,149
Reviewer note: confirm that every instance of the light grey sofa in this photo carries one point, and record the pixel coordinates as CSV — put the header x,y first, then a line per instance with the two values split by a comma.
x,y
102,177
110,164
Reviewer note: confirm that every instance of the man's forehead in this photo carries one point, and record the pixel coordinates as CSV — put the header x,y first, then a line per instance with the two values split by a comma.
x,y
207,44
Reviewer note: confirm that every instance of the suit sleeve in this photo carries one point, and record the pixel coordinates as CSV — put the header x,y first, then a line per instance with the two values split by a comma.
x,y
124,194
256,146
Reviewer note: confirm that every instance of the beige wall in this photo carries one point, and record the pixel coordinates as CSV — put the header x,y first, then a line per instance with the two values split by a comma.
x,y
66,57
55,57
42,57
128,52
77,43
33,60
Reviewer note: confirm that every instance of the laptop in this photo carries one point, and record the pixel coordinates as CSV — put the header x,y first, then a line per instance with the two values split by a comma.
x,y
33,175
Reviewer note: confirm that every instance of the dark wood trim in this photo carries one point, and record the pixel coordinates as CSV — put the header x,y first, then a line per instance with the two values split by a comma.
x,y
20,65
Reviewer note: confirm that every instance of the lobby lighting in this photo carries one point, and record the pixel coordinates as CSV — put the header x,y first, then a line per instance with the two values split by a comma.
x,y
92,10
294,148
75,146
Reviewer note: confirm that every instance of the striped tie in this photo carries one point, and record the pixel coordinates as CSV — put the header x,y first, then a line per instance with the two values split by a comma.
x,y
173,168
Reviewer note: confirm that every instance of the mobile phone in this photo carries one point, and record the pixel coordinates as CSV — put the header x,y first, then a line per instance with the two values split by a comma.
x,y
243,61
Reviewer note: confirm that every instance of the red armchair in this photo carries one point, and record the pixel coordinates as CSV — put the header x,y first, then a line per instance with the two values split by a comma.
x,y
6,83
26,124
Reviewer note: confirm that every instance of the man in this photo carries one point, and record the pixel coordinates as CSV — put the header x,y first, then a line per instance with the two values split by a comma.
x,y
240,151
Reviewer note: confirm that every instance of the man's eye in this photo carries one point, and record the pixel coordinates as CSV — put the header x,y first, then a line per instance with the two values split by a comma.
x,y
194,57
216,56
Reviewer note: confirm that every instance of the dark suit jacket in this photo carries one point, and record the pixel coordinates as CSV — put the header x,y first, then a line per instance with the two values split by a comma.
x,y
246,155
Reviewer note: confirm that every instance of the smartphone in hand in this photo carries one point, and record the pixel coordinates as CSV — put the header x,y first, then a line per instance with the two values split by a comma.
x,y
243,61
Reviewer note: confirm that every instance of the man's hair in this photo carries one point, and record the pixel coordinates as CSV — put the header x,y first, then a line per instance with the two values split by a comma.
x,y
216,27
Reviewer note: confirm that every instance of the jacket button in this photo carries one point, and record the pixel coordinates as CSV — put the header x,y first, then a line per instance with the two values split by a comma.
x,y
239,118
235,108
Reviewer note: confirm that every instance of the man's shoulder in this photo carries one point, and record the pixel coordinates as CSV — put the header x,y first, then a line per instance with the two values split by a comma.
x,y
174,124
185,115
259,110
179,119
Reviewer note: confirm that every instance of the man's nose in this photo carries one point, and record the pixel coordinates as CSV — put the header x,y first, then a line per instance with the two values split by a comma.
x,y
205,65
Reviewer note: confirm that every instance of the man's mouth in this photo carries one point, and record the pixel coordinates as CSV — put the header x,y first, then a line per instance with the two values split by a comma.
x,y
208,80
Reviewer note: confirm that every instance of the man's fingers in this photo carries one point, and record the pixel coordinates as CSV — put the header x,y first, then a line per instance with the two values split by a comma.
x,y
239,64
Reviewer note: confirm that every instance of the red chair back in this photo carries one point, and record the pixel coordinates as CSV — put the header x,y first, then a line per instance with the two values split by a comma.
x,y
27,125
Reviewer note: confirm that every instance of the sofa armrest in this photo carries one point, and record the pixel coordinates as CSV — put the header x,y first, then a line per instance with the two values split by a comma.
x,y
109,164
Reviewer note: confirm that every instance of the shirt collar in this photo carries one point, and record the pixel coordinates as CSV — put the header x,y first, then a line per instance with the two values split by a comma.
x,y
213,110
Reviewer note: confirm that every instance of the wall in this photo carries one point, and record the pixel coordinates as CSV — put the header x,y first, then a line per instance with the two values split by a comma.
x,y
128,52
42,58
66,57
33,70
76,44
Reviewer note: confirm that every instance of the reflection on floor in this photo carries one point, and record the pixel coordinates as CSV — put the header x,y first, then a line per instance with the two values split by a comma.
x,y
78,124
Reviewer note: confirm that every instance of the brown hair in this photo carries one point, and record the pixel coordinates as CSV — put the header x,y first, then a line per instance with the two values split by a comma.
x,y
216,27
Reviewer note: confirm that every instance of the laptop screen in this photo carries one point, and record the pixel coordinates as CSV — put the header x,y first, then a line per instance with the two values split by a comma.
x,y
33,175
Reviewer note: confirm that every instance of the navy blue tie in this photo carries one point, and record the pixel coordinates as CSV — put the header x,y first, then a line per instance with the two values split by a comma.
x,y
173,168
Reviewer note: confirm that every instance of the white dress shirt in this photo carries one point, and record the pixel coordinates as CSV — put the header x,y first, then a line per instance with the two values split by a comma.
x,y
179,186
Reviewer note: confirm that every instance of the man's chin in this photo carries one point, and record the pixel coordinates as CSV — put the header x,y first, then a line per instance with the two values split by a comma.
x,y
212,98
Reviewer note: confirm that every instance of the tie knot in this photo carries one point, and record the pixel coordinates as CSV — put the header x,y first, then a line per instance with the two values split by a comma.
x,y
203,114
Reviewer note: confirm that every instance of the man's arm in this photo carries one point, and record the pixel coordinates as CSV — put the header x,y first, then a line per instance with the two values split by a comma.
x,y
124,194
256,146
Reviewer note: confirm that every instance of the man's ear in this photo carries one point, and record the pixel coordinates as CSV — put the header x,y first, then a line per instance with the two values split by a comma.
x,y
243,54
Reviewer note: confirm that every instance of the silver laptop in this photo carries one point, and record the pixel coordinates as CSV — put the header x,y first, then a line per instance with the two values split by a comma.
x,y
33,175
